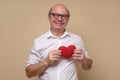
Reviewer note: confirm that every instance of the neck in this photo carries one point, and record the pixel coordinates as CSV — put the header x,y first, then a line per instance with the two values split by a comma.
x,y
57,33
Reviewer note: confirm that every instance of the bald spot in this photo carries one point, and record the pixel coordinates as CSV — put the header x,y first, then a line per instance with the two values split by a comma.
x,y
59,8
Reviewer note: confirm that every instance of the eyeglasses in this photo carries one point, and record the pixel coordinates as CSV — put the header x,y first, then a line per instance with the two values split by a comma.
x,y
63,16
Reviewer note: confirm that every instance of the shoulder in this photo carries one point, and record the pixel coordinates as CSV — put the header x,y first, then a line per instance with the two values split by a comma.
x,y
41,37
74,35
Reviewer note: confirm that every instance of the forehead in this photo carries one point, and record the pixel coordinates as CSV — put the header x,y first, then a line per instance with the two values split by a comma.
x,y
59,9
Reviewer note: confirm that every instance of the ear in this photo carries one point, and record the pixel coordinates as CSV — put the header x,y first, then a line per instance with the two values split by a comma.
x,y
48,17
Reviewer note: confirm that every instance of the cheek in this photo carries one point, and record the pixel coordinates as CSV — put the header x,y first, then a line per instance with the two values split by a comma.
x,y
65,23
51,21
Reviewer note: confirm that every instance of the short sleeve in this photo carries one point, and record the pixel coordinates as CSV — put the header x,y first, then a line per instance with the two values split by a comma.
x,y
34,56
80,44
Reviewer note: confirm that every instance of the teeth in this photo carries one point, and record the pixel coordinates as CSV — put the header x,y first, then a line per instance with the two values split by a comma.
x,y
59,23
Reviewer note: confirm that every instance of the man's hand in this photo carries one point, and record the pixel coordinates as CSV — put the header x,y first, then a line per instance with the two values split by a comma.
x,y
79,55
53,57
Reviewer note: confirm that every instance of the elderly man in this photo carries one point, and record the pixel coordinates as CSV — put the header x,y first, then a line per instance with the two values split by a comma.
x,y
47,59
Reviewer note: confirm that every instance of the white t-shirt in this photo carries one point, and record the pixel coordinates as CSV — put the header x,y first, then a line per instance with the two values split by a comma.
x,y
65,69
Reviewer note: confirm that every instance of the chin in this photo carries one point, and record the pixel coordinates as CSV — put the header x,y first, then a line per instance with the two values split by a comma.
x,y
60,27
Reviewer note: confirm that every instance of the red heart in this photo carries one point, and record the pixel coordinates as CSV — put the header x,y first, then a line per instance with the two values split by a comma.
x,y
67,51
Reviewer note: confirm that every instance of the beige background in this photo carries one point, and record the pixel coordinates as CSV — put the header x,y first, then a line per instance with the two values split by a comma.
x,y
97,21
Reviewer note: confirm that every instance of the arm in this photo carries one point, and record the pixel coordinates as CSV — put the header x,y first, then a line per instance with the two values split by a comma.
x,y
86,64
40,67
79,55
36,69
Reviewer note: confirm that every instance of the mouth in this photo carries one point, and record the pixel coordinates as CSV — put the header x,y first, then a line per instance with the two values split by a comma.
x,y
58,23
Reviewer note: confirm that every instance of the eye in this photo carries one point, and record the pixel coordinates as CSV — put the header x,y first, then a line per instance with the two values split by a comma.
x,y
55,14
65,16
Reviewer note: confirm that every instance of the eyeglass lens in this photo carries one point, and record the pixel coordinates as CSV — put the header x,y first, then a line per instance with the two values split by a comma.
x,y
63,16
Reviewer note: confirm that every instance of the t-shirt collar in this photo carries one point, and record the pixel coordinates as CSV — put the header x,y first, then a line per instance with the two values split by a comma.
x,y
50,35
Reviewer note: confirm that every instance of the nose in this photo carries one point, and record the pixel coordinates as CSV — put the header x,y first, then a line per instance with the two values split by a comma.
x,y
60,18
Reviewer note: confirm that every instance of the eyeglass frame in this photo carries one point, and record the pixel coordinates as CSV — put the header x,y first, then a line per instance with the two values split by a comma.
x,y
57,15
